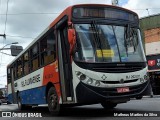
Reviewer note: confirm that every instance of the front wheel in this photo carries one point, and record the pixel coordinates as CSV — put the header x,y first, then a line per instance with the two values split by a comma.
x,y
53,102
108,105
139,97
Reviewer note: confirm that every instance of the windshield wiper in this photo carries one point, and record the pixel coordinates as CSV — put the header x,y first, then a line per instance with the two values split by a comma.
x,y
129,38
133,33
96,34
126,37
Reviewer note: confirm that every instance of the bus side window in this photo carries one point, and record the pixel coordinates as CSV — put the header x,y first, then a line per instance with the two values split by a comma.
x,y
43,49
51,52
19,67
35,57
48,49
26,63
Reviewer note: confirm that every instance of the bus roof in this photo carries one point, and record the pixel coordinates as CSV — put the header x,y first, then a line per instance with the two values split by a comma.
x,y
68,12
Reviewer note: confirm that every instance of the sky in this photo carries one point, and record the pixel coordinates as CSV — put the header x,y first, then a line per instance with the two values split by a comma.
x,y
26,19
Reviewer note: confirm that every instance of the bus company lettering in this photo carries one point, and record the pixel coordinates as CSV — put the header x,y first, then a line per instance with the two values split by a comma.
x,y
32,80
128,77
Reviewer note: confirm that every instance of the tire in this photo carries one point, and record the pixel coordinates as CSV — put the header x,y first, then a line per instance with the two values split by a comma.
x,y
139,97
22,106
53,102
108,105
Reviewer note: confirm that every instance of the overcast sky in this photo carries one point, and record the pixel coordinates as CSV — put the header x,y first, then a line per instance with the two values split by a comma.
x,y
26,20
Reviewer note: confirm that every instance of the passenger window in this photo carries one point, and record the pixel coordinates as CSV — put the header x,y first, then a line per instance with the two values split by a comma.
x,y
48,49
19,67
34,57
26,63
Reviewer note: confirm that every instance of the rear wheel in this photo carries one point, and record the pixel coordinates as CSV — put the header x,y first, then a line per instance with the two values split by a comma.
x,y
22,106
108,105
53,102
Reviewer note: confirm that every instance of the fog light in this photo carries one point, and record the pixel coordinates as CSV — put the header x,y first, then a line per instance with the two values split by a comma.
x,y
82,77
90,81
141,80
97,84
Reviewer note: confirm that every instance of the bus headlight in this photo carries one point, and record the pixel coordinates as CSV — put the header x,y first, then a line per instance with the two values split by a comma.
x,y
80,75
85,79
90,81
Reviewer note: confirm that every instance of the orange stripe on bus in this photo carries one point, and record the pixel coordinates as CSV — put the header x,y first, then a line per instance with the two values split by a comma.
x,y
51,73
57,87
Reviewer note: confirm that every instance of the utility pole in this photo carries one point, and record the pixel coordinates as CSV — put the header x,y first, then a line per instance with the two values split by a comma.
x,y
148,12
3,35
115,2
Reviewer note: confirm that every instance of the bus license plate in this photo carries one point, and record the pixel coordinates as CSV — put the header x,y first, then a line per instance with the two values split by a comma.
x,y
123,90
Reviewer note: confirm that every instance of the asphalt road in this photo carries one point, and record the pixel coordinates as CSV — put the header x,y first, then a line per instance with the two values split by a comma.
x,y
147,108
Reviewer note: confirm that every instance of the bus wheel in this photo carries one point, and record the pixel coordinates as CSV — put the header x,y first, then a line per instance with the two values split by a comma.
x,y
20,105
53,102
108,105
139,97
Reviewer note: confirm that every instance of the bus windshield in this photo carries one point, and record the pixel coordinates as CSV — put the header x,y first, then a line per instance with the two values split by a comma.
x,y
108,43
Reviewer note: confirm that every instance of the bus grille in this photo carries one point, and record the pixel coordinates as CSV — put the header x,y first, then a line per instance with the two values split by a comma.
x,y
118,82
117,69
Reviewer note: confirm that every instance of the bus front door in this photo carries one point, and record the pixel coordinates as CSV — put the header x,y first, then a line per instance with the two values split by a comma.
x,y
65,68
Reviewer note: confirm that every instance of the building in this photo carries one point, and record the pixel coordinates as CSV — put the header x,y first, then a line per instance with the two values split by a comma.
x,y
150,28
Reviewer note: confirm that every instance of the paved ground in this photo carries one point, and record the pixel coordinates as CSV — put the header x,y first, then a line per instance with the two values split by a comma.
x,y
136,108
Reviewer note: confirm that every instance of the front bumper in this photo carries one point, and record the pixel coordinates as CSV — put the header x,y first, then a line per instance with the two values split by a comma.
x,y
90,94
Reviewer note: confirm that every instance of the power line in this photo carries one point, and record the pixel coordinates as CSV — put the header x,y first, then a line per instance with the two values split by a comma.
x,y
28,13
19,36
142,8
46,13
6,54
50,13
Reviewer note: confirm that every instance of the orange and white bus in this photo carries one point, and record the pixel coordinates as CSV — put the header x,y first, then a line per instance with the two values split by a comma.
x,y
89,54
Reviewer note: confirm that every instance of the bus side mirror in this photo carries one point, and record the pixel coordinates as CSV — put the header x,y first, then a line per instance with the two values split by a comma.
x,y
71,38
